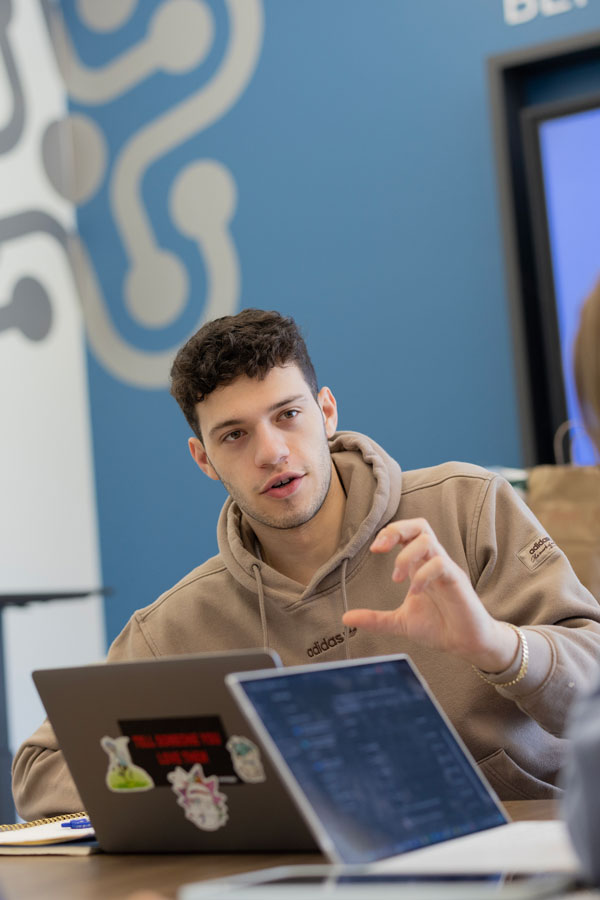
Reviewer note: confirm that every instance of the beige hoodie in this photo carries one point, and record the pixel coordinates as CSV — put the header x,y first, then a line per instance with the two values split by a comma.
x,y
235,600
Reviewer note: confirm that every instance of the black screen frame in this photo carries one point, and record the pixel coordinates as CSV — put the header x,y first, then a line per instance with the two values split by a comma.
x,y
532,118
541,403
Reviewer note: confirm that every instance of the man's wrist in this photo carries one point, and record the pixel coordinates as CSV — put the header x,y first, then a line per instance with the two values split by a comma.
x,y
500,652
521,660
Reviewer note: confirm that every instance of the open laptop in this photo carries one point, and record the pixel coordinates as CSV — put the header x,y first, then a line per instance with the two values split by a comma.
x,y
371,759
164,760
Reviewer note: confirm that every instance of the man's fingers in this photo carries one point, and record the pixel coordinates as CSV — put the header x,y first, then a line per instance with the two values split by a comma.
x,y
440,568
412,557
436,569
399,533
371,620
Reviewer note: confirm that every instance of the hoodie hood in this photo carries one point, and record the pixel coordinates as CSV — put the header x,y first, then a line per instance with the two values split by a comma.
x,y
372,481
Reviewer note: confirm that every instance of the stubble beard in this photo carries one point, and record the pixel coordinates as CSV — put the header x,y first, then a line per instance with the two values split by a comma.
x,y
296,517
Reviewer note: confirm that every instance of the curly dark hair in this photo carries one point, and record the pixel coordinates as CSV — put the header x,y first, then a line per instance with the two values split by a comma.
x,y
250,343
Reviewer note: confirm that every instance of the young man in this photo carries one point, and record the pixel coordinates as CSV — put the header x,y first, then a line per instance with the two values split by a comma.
x,y
326,550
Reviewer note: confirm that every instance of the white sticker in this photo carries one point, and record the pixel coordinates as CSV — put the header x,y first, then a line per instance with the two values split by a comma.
x,y
246,760
122,774
199,797
538,551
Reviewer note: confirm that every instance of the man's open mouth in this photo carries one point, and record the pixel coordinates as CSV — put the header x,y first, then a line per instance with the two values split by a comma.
x,y
283,484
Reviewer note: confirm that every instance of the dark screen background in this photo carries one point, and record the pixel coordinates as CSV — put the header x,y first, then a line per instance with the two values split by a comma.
x,y
374,758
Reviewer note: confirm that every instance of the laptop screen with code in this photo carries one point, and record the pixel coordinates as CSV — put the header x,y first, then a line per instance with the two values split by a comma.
x,y
377,761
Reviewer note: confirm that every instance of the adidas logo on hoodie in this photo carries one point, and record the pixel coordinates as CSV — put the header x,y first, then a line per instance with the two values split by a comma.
x,y
328,643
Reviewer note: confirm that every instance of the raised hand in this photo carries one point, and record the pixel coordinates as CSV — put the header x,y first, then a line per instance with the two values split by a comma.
x,y
441,609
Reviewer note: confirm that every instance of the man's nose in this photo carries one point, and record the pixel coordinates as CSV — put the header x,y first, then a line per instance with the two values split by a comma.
x,y
271,447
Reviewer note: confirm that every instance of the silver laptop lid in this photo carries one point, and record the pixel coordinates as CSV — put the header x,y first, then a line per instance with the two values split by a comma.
x,y
164,760
370,757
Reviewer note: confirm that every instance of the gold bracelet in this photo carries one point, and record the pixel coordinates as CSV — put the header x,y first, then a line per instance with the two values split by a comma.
x,y
524,661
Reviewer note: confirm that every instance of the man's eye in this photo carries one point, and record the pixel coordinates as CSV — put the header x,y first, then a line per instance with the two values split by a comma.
x,y
289,414
232,436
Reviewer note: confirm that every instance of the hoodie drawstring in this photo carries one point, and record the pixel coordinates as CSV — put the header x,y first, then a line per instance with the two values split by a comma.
x,y
263,614
345,603
261,605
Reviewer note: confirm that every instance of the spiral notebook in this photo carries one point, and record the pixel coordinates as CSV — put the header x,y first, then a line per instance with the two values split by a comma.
x,y
67,835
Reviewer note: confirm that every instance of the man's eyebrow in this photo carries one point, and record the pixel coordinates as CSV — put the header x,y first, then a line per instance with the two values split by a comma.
x,y
230,423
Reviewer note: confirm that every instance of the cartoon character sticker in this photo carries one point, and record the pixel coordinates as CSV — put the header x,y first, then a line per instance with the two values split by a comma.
x,y
122,774
246,760
204,804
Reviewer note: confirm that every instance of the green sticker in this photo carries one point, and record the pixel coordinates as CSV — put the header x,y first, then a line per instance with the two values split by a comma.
x,y
122,774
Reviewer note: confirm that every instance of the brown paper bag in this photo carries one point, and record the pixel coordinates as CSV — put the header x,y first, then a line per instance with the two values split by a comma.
x,y
566,500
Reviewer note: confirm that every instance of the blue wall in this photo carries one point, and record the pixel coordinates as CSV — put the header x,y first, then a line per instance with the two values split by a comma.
x,y
362,154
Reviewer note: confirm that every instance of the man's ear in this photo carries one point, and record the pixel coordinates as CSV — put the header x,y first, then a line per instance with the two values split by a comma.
x,y
328,406
201,459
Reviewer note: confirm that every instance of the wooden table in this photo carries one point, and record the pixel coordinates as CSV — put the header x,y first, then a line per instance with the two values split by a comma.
x,y
116,877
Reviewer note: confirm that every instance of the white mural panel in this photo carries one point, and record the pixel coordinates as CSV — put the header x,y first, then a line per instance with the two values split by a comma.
x,y
154,287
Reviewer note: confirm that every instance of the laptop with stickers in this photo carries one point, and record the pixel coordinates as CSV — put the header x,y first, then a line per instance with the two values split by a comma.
x,y
165,761
371,759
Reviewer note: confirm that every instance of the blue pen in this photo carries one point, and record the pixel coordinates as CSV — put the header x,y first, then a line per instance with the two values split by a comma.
x,y
76,823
